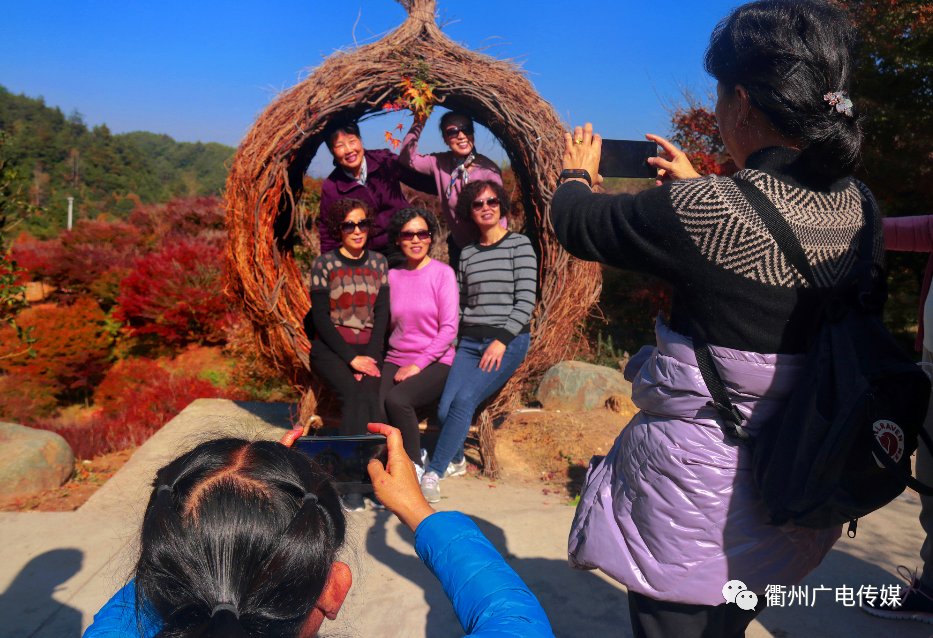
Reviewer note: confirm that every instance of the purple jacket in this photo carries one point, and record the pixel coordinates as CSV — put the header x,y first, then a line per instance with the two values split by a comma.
x,y
383,193
672,511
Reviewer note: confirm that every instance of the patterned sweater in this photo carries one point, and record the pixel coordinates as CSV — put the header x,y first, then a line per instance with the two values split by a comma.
x,y
704,238
498,284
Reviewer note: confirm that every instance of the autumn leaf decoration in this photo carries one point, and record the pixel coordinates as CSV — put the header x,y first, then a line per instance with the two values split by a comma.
x,y
415,95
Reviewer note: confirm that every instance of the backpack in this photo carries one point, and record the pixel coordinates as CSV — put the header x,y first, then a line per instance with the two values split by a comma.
x,y
841,446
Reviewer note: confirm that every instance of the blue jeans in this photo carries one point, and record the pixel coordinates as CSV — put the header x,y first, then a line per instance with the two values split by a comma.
x,y
467,386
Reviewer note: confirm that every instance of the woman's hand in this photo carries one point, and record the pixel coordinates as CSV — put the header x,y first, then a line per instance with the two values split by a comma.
x,y
405,372
365,365
582,149
492,356
672,163
396,484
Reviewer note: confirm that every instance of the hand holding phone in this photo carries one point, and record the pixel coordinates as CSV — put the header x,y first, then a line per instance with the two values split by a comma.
x,y
344,458
627,158
395,482
673,163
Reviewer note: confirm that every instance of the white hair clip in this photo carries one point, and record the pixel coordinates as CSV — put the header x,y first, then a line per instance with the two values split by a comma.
x,y
839,100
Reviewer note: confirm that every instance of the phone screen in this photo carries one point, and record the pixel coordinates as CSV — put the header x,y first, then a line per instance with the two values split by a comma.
x,y
345,458
627,158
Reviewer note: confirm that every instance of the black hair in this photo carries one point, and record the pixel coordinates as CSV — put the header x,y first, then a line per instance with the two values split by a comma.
x,y
450,117
343,126
472,190
340,209
788,54
238,539
405,215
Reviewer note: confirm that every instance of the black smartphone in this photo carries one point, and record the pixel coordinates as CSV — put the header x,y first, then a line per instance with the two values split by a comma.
x,y
345,458
627,158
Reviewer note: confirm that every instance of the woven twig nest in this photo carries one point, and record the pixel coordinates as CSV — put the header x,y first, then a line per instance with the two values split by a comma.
x,y
265,182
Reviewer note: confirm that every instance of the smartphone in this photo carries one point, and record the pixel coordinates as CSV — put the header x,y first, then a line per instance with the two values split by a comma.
x,y
627,158
345,458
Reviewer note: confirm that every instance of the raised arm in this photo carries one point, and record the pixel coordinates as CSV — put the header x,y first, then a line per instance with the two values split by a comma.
x,y
408,154
912,234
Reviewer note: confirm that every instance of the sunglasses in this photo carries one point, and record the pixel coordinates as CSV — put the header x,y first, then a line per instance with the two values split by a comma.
x,y
454,131
349,227
492,202
408,235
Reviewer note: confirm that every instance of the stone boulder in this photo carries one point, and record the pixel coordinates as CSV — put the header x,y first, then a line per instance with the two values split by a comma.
x,y
32,460
577,386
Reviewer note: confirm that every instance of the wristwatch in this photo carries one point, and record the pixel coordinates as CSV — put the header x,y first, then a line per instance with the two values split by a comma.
x,y
575,173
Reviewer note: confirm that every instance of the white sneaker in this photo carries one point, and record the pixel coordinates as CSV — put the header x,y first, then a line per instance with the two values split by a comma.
x,y
456,469
430,488
424,457
419,471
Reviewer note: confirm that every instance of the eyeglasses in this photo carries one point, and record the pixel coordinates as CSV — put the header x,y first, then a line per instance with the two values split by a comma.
x,y
408,235
348,226
454,131
492,202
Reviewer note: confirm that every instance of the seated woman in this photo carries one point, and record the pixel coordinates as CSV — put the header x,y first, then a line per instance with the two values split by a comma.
x,y
241,539
425,311
452,170
498,278
348,318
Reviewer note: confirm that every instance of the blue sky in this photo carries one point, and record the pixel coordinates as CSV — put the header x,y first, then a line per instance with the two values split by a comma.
x,y
204,70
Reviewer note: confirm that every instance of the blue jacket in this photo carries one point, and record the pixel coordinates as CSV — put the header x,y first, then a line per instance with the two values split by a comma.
x,y
489,598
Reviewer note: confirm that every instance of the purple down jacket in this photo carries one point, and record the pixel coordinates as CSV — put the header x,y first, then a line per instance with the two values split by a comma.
x,y
672,511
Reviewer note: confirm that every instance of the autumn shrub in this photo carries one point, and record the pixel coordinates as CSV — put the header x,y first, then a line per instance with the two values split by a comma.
x,y
71,345
184,217
24,398
175,296
40,258
252,373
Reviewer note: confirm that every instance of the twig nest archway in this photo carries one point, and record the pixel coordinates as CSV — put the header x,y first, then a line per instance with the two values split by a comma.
x,y
266,178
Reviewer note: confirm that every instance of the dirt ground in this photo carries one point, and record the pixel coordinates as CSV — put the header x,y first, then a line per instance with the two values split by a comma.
x,y
88,476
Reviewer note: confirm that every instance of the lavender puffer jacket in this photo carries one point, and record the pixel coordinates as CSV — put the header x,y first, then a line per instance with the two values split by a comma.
x,y
672,511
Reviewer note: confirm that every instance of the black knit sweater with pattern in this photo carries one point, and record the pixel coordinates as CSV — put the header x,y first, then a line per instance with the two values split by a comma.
x,y
703,237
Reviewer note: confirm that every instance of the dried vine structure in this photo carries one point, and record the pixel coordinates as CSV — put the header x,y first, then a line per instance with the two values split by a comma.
x,y
265,179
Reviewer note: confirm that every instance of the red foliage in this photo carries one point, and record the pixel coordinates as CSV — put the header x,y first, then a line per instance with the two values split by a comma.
x,y
71,346
24,398
696,132
182,217
176,294
39,258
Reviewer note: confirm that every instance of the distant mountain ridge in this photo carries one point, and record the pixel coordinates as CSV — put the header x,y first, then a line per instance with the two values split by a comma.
x,y
56,156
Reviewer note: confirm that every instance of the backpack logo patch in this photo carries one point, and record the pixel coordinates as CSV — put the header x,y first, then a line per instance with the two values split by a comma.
x,y
891,437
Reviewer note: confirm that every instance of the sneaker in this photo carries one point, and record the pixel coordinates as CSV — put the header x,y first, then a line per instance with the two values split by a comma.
x,y
419,471
914,604
352,502
430,488
456,469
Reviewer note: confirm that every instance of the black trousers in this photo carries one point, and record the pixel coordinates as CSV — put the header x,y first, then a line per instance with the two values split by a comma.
x,y
661,619
402,401
359,400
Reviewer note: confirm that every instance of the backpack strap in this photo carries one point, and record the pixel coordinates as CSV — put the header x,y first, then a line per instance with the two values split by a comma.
x,y
731,417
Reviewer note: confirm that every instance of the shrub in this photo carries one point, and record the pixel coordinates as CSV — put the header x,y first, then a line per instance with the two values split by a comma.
x,y
24,399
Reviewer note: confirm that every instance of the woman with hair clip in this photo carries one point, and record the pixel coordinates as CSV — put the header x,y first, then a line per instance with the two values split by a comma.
x,y
425,311
452,170
240,539
347,321
498,276
672,511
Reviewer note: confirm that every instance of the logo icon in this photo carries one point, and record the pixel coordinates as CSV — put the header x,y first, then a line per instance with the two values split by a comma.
x,y
736,592
891,437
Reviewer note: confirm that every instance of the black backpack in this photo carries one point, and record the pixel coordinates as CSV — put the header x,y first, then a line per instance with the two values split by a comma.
x,y
841,446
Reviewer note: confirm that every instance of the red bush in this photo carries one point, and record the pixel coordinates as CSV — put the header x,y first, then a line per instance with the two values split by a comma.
x,y
71,347
39,258
176,294
182,217
23,399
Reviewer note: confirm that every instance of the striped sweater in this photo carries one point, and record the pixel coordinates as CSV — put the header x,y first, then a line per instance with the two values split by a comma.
x,y
497,288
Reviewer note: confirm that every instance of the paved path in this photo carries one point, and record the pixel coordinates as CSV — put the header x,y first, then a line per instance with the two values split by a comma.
x,y
56,569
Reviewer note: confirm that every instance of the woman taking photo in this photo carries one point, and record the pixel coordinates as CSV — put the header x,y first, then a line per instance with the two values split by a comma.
x,y
452,171
672,511
425,312
498,276
348,317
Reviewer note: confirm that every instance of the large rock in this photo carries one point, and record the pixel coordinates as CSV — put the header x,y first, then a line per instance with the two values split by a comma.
x,y
32,460
574,385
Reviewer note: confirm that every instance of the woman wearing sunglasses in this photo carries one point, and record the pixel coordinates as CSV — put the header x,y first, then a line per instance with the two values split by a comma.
x,y
425,310
452,170
498,277
348,317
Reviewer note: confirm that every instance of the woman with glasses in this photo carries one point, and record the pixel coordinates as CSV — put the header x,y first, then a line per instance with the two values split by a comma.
x,y
498,277
425,311
348,317
452,170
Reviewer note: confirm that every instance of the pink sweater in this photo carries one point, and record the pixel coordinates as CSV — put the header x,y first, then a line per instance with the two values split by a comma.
x,y
441,165
425,307
915,234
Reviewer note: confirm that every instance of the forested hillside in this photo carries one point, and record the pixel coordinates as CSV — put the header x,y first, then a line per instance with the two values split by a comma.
x,y
48,156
